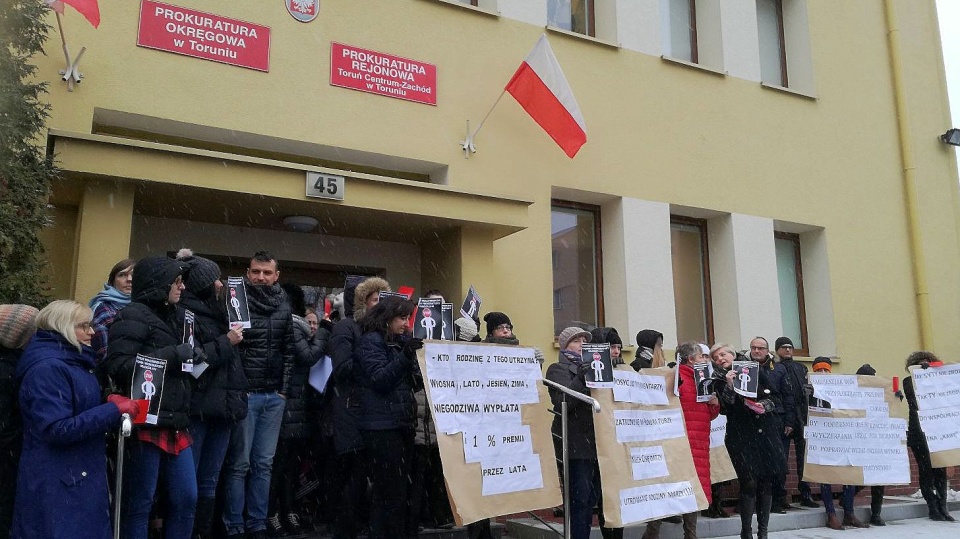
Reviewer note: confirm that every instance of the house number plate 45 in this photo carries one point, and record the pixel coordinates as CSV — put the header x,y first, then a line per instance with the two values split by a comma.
x,y
324,186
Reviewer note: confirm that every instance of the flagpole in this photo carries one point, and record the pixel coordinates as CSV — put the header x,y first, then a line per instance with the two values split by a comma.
x,y
66,54
467,144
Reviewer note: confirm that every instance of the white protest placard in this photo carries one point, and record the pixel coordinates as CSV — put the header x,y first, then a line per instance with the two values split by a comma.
x,y
937,387
489,408
718,431
630,386
639,504
646,465
512,474
648,462
648,425
853,440
942,428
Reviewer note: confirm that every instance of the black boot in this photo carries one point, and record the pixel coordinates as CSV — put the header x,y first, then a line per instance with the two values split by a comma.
x,y
763,515
203,518
942,491
746,508
933,506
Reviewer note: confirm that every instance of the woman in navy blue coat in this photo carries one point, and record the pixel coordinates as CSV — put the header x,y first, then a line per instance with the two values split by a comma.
x,y
62,491
386,374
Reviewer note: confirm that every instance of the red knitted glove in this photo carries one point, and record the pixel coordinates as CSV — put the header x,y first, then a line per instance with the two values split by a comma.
x,y
125,405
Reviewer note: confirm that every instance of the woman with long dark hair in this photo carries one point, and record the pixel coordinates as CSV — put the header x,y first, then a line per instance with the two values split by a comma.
x,y
387,374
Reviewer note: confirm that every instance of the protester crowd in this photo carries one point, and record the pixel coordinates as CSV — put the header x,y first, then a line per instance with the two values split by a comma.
x,y
248,448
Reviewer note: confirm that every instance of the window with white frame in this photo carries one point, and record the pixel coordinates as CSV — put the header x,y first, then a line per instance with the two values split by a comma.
x,y
572,15
790,282
773,53
680,29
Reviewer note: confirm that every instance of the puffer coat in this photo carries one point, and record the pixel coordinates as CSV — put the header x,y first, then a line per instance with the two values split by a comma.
x,y
300,413
266,350
385,384
149,326
221,391
697,417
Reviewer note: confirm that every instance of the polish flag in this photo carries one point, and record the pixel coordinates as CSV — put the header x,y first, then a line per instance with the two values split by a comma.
x,y
90,9
542,90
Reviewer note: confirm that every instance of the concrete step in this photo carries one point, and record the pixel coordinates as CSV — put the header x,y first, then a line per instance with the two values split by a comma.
x,y
894,508
498,530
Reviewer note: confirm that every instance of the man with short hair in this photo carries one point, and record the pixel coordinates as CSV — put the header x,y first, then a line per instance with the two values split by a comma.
x,y
796,374
786,411
266,354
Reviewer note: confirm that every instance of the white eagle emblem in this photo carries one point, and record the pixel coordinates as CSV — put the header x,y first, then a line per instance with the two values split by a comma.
x,y
303,10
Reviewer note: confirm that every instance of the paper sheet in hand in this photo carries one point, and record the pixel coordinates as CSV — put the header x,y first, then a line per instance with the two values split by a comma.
x,y
320,374
600,373
746,380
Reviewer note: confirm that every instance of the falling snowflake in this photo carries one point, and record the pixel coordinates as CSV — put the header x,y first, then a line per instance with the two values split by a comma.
x,y
303,6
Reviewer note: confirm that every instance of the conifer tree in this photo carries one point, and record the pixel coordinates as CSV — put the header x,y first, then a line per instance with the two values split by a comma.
x,y
25,170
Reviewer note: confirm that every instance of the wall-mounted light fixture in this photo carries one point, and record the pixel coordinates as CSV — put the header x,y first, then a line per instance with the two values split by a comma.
x,y
951,137
300,223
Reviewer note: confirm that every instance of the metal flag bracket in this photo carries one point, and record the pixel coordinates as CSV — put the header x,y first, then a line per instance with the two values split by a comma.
x,y
70,74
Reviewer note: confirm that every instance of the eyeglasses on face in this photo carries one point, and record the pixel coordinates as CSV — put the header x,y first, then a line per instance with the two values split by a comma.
x,y
502,327
83,325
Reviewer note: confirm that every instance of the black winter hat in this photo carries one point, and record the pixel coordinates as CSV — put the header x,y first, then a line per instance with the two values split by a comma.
x,y
648,338
494,319
783,341
867,370
153,277
607,335
203,271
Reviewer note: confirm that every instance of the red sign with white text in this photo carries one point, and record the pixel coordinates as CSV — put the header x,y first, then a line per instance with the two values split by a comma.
x,y
204,35
383,74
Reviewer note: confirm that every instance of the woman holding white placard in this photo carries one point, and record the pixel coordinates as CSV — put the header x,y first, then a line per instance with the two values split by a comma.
x,y
933,481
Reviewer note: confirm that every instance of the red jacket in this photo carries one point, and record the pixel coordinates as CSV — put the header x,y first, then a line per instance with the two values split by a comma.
x,y
697,416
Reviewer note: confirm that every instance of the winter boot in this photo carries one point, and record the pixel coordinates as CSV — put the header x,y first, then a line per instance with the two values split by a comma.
x,y
747,506
933,506
849,519
763,515
833,522
941,485
203,518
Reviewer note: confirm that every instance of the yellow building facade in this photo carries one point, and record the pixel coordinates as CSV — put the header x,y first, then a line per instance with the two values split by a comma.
x,y
732,145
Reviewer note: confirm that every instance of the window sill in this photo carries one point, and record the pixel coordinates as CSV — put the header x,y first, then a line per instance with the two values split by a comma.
x,y
789,91
583,37
699,67
468,7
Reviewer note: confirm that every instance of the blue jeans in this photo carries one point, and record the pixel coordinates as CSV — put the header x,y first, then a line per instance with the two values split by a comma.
x,y
584,493
252,446
846,499
210,441
144,467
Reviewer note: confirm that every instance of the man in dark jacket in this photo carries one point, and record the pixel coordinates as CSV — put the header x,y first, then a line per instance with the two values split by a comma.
x,y
266,354
796,375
